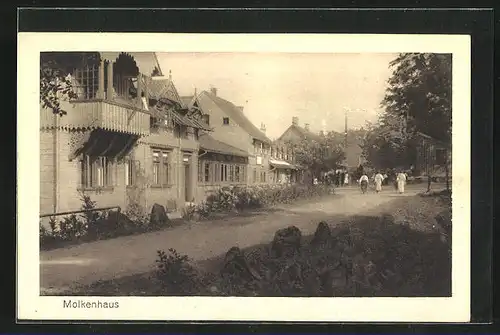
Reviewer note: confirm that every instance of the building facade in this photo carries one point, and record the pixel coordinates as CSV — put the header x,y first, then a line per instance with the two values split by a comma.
x,y
230,126
126,138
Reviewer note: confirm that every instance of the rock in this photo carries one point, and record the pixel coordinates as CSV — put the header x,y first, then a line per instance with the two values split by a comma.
x,y
235,263
443,221
119,220
286,241
322,235
158,215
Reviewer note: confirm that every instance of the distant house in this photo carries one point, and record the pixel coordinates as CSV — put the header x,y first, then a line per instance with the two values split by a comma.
x,y
126,131
296,133
433,156
232,129
284,149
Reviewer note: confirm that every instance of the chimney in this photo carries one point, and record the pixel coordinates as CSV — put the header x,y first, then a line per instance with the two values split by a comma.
x,y
306,126
295,121
170,75
263,128
214,91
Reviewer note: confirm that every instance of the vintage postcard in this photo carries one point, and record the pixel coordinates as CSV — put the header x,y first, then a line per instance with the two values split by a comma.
x,y
248,177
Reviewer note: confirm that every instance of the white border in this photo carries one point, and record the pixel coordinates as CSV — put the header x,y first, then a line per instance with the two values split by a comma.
x,y
32,306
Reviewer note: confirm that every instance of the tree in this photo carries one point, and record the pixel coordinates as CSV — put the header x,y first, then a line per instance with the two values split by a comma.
x,y
417,99
54,82
319,155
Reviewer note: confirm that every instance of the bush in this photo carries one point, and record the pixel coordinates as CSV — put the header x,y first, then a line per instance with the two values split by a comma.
x,y
92,225
230,199
175,274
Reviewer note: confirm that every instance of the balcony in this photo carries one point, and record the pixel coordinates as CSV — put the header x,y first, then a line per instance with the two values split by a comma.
x,y
98,114
108,98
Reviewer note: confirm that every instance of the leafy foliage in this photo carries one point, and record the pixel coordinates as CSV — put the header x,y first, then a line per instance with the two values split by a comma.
x,y
230,199
319,155
418,99
175,273
92,225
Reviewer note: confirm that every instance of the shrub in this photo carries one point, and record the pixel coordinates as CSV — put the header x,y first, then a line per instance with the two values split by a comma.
x,y
175,274
70,228
228,199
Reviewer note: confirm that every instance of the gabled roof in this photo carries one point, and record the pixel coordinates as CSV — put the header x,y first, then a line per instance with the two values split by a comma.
x,y
162,89
159,89
208,143
309,135
187,100
237,116
146,61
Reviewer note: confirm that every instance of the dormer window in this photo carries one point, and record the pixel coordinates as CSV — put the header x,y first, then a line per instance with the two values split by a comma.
x,y
225,121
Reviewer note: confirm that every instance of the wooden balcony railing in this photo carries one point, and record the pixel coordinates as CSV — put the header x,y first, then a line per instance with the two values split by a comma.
x,y
98,114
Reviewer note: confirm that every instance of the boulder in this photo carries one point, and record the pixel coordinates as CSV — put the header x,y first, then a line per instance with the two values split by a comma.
x,y
158,215
236,264
286,242
322,235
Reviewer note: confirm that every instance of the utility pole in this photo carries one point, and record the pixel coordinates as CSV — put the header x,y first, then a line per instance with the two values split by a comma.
x,y
345,128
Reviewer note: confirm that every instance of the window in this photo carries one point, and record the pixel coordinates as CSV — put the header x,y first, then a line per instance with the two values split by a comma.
x,y
130,172
237,176
255,176
216,172
161,168
206,119
207,172
96,172
86,82
200,171
225,120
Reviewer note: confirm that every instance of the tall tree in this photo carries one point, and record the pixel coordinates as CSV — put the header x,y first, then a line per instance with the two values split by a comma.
x,y
417,99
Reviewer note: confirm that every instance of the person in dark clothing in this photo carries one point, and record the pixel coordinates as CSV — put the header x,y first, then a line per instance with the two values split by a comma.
x,y
342,178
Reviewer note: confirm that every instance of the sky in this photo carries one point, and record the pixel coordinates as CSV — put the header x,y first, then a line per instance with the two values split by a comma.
x,y
274,87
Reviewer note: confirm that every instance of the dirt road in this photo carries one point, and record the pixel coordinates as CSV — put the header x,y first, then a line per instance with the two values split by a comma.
x,y
83,264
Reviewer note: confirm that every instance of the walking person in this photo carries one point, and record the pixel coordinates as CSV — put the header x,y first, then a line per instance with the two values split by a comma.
x,y
363,182
378,182
401,180
346,179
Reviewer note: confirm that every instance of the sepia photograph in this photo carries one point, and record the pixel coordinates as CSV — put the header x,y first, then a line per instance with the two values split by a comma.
x,y
245,174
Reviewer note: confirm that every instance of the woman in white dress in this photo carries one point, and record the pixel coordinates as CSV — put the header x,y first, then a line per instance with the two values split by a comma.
x,y
363,182
378,182
401,179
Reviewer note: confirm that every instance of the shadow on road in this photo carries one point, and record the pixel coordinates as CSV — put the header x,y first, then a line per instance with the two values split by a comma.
x,y
408,263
